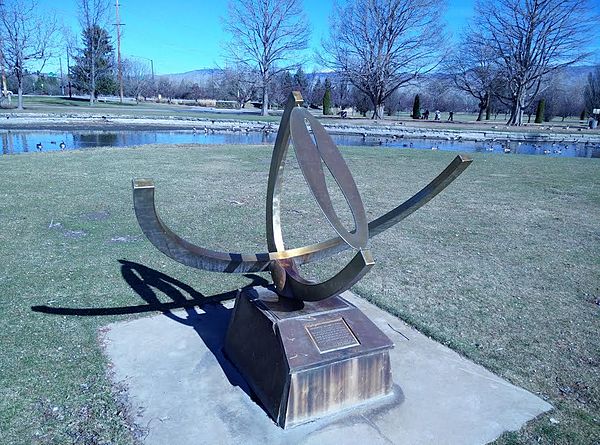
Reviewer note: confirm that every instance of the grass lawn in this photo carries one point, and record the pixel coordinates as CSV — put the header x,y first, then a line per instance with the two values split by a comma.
x,y
503,266
55,104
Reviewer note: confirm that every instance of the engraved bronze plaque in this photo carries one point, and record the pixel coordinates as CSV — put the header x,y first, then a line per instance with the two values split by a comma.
x,y
332,335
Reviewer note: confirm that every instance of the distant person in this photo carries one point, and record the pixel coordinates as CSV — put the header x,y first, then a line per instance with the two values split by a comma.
x,y
426,115
437,115
451,116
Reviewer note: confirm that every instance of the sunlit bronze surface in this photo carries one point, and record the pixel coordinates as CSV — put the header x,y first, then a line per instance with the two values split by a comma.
x,y
281,262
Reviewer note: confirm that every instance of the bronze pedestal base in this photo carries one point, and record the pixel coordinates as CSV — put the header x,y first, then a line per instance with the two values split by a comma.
x,y
305,360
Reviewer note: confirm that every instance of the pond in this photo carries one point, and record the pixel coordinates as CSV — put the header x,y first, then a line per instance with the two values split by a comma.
x,y
23,141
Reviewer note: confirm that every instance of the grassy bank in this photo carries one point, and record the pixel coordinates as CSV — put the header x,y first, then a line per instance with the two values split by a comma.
x,y
504,266
64,105
112,107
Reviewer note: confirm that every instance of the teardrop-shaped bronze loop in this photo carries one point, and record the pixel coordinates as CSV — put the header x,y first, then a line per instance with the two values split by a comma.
x,y
309,158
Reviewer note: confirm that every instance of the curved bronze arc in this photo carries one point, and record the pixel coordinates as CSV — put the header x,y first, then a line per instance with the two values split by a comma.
x,y
175,247
297,287
282,143
187,253
440,182
309,158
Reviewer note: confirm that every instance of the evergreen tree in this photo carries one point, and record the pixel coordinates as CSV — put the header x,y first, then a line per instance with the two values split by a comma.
x,y
93,69
592,91
316,94
281,87
327,98
301,82
539,113
416,113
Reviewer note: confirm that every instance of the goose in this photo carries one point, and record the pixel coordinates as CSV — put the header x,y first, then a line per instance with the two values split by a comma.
x,y
39,146
62,145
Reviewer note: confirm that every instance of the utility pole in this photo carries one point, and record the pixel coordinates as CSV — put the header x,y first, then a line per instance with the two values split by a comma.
x,y
119,66
4,92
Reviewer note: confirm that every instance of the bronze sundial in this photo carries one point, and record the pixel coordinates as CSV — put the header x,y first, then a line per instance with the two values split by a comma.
x,y
303,349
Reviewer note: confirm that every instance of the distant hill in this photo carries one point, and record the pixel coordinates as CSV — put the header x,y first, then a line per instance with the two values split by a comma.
x,y
200,76
574,74
203,75
580,72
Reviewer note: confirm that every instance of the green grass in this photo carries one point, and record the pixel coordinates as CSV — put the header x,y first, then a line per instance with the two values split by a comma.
x,y
53,104
503,266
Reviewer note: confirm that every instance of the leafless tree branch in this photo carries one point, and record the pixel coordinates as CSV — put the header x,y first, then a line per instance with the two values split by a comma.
x,y
265,35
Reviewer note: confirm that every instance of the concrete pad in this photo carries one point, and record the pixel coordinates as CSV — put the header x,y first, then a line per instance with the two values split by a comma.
x,y
186,391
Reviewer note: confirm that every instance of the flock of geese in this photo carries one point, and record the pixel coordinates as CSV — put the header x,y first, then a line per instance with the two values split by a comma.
x,y
505,145
266,129
40,147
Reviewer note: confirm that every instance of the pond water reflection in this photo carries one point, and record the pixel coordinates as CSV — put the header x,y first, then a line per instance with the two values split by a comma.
x,y
28,141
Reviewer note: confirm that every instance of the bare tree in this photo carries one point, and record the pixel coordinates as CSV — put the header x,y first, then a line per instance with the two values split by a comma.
x,y
564,96
474,70
265,36
137,78
380,45
27,38
93,16
530,40
240,83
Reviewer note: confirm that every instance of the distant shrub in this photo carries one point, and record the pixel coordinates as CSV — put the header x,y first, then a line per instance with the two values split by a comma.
x,y
539,113
416,113
227,104
327,98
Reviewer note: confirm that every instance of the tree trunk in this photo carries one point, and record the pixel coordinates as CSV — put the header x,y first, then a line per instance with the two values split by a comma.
x,y
517,108
265,102
20,101
92,79
480,115
377,108
484,103
378,112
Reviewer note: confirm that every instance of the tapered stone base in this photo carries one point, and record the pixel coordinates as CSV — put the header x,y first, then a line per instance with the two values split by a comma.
x,y
306,360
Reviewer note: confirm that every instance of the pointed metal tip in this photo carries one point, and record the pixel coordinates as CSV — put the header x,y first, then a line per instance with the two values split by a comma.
x,y
142,183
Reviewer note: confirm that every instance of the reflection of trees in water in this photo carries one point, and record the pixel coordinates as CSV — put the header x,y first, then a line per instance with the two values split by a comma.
x,y
25,141
24,145
5,149
95,139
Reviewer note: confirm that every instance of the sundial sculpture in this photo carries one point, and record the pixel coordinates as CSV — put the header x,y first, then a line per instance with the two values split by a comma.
x,y
303,349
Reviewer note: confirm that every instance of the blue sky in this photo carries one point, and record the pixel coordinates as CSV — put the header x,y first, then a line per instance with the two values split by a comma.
x,y
182,36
